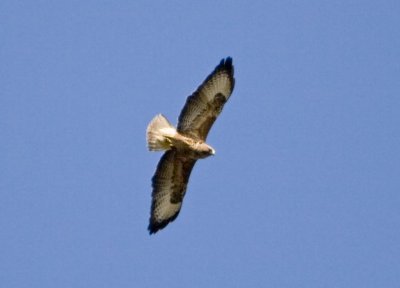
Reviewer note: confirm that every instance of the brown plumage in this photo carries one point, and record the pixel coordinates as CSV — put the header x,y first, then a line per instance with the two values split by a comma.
x,y
186,144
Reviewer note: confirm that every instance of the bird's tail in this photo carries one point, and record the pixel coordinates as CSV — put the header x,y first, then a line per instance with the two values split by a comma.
x,y
159,134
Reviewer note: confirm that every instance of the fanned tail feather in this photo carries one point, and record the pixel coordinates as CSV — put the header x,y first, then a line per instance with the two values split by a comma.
x,y
159,133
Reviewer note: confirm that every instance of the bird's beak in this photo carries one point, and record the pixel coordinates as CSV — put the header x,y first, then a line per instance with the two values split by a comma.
x,y
212,152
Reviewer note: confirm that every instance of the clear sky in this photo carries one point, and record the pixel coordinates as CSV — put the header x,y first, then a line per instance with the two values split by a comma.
x,y
304,190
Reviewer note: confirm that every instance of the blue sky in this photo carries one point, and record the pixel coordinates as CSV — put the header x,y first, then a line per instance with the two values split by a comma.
x,y
304,188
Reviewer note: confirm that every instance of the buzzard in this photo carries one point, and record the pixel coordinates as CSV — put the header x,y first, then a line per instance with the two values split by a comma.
x,y
185,144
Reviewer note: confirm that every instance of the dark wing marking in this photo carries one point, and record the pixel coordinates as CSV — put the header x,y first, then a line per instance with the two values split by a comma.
x,y
205,104
169,187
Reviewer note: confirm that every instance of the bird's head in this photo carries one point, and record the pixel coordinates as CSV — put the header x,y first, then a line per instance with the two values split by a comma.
x,y
204,150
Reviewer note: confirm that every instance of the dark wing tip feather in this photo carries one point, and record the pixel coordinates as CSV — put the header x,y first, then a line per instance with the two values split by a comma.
x,y
227,66
155,226
226,63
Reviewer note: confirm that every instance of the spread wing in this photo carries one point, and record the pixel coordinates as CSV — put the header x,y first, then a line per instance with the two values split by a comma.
x,y
205,104
169,187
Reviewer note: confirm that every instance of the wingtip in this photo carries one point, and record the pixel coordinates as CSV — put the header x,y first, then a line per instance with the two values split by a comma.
x,y
227,65
226,62
154,227
151,231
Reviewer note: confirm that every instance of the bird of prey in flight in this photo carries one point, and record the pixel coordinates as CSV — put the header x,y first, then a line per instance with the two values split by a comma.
x,y
185,144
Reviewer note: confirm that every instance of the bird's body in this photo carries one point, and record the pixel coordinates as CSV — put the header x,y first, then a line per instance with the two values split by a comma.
x,y
161,137
185,144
